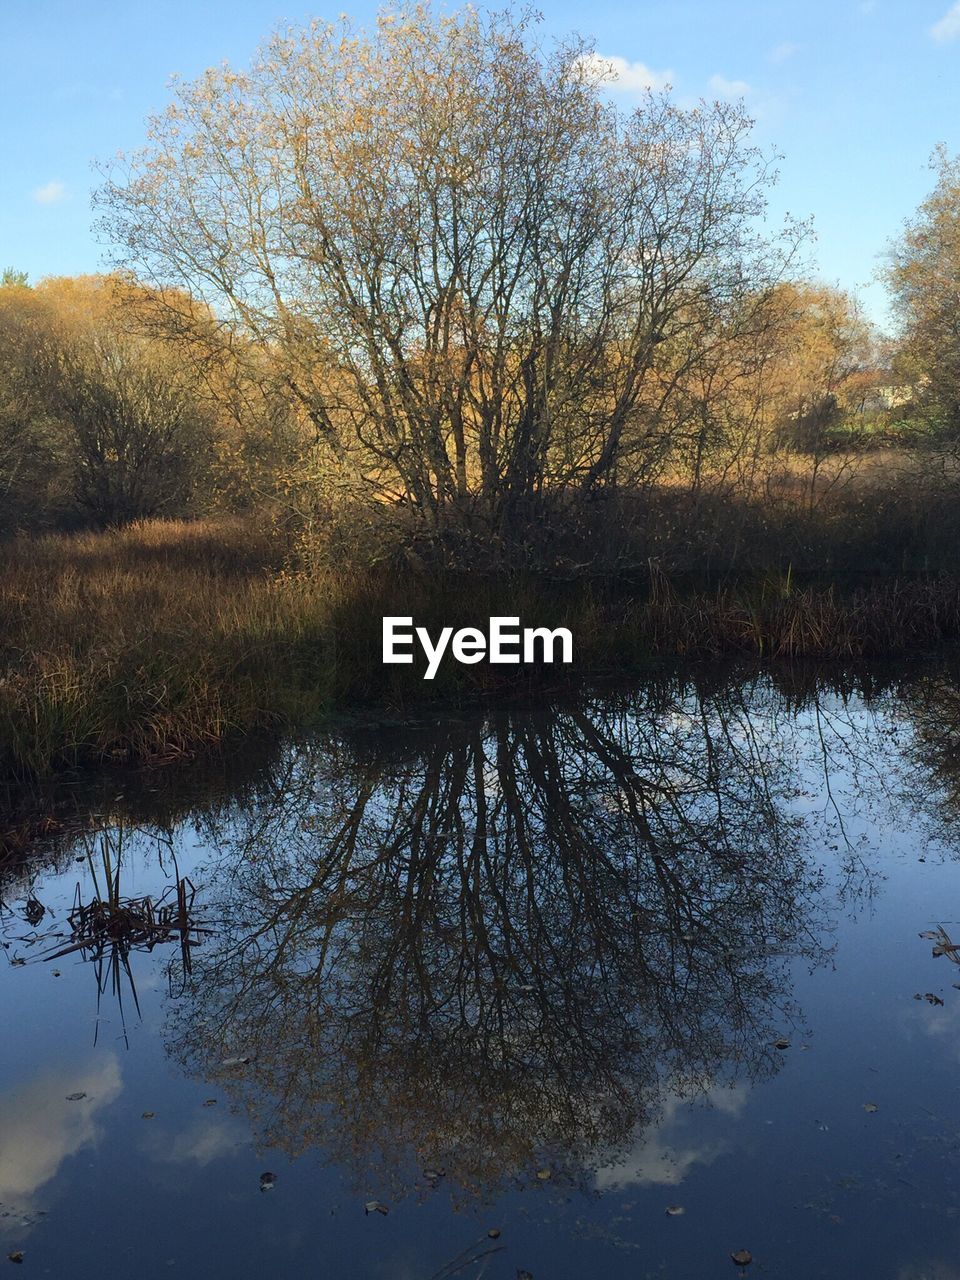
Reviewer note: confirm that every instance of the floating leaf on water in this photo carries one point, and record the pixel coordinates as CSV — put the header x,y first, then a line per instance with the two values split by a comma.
x,y
75,1097
18,960
210,1102
870,1107
374,1206
56,973
675,1210
494,1233
524,1275
544,1174
931,998
432,1175
743,1257
234,1062
16,1256
781,1044
148,1115
268,1181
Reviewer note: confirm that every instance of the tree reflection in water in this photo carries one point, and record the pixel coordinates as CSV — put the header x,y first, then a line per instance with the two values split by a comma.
x,y
503,948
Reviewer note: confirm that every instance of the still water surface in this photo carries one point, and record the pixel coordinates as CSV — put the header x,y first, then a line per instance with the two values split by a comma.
x,y
632,984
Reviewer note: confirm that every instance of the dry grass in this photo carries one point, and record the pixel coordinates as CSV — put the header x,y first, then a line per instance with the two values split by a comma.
x,y
151,642
778,620
147,642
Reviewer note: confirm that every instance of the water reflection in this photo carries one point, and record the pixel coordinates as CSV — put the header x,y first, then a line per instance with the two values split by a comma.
x,y
510,947
551,950
47,1120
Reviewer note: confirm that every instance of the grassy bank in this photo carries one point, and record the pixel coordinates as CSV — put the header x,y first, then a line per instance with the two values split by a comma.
x,y
149,642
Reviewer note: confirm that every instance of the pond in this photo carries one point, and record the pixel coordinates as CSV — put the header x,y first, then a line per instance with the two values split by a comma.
x,y
633,985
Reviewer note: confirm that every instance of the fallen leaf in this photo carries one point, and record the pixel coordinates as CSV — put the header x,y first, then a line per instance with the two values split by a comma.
x,y
494,1233
544,1175
268,1181
16,1256
870,1107
75,1097
374,1206
743,1257
675,1210
210,1102
148,1115
781,1044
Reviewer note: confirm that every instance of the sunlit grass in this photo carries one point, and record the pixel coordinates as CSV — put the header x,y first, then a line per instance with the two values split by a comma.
x,y
148,642
152,642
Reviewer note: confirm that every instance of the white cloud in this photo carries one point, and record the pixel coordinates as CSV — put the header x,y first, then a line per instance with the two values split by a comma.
x,y
201,1142
948,28
725,88
50,193
659,1156
39,1128
782,52
618,73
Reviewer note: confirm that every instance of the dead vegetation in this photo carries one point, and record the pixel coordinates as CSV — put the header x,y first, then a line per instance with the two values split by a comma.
x,y
156,641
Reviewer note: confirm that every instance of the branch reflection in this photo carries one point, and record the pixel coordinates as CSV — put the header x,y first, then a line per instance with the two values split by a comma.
x,y
502,948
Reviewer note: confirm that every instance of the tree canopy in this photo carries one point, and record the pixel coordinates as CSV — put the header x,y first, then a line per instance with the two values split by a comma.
x,y
477,276
924,278
99,421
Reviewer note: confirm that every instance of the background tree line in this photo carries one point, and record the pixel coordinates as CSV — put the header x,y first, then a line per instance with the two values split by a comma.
x,y
106,416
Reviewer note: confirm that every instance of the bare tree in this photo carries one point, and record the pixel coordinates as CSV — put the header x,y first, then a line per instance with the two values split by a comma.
x,y
136,428
466,261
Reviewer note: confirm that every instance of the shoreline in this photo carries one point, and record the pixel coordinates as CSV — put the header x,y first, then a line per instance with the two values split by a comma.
x,y
103,661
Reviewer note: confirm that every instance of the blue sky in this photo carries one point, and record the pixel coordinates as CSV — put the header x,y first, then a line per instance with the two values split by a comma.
x,y
854,93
